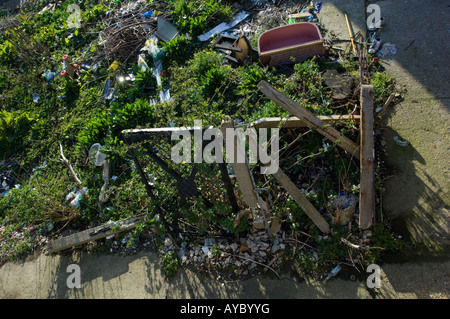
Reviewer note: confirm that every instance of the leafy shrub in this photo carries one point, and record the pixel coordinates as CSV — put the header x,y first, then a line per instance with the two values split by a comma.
x,y
7,52
306,86
383,86
178,50
169,264
196,17
13,128
108,125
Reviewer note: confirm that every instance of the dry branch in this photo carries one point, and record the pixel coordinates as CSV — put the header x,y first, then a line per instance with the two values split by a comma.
x,y
66,161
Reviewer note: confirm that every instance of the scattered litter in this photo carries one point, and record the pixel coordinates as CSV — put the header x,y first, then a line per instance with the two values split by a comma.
x,y
89,66
95,155
75,196
209,242
153,101
223,26
236,48
205,250
376,25
168,242
387,49
68,67
400,142
318,6
166,30
99,159
299,41
147,15
164,96
345,200
333,273
151,46
114,66
35,97
143,66
49,75
40,167
182,251
6,183
157,71
375,46
108,91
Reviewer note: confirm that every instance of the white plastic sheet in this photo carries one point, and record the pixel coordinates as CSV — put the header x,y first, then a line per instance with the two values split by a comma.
x,y
223,26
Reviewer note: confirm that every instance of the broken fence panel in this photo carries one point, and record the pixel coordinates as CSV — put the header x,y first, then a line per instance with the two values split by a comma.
x,y
309,118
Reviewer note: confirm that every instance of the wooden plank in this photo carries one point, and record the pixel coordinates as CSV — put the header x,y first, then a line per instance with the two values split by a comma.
x,y
299,15
302,201
240,169
351,34
309,118
91,234
293,121
367,178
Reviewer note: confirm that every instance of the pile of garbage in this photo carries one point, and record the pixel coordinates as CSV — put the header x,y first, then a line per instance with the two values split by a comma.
x,y
242,255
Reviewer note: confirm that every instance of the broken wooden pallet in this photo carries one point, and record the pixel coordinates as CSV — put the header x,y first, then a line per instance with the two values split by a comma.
x,y
92,234
293,121
309,118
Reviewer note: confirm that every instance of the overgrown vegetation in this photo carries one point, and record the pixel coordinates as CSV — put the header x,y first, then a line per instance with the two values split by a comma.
x,y
37,114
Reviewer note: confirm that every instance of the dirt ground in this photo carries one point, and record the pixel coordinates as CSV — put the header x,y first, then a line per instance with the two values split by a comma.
x,y
416,189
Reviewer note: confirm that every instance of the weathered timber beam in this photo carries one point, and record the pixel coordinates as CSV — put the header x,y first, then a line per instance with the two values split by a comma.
x,y
91,234
293,121
367,177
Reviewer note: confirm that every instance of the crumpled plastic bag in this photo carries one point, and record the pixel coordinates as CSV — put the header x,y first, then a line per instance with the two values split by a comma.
x,y
151,46
387,49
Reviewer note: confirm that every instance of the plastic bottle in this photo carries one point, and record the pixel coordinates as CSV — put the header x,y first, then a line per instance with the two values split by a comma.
x,y
114,66
333,273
